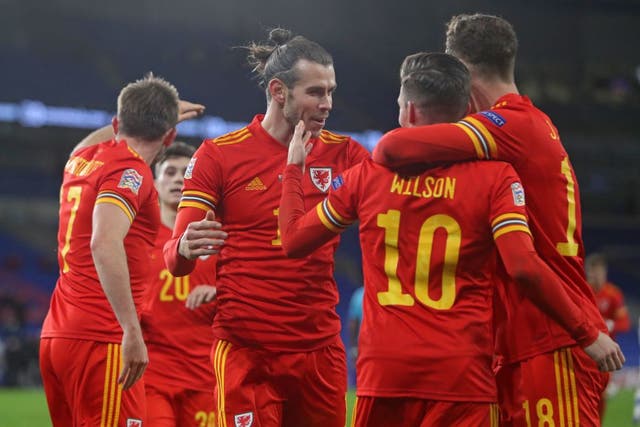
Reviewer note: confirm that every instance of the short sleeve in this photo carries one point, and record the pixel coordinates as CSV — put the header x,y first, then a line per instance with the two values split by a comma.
x,y
508,203
203,178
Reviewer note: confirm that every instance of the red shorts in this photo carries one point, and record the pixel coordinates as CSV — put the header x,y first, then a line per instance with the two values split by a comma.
x,y
400,412
80,382
263,389
563,387
176,406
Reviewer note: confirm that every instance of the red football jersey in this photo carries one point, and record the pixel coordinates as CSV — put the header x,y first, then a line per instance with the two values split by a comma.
x,y
427,329
514,130
265,298
110,172
610,302
178,339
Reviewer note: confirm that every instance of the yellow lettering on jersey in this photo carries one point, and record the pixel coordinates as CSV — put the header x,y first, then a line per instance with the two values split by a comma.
x,y
437,188
82,167
396,184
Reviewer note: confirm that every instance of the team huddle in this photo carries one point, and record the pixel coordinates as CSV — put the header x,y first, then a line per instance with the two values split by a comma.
x,y
212,274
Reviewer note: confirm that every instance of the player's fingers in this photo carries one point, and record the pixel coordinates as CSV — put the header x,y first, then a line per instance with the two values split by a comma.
x,y
211,295
124,374
189,302
205,224
135,373
298,132
305,137
197,300
139,371
618,359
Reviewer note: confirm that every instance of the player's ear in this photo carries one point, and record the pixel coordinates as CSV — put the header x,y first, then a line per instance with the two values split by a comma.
x,y
169,137
411,113
114,124
277,90
468,108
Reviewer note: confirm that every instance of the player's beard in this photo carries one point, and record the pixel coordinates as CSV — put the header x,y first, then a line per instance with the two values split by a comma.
x,y
293,114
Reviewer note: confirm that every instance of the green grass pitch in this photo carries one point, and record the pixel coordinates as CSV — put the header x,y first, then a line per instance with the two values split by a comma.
x,y
28,408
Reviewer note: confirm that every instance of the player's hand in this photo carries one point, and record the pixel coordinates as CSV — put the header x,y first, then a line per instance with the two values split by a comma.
x,y
606,353
201,294
203,237
299,146
188,110
134,358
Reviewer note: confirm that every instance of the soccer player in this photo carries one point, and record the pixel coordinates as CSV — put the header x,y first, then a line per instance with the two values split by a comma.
x,y
429,247
610,302
609,297
179,380
546,377
92,352
278,357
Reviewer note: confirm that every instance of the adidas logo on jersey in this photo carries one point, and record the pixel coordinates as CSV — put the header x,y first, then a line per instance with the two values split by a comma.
x,y
255,184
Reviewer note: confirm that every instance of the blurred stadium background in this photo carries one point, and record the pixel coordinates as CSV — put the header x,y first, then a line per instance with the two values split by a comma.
x,y
64,62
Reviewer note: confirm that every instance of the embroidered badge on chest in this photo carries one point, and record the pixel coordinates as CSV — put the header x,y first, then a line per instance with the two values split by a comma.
x,y
244,420
321,178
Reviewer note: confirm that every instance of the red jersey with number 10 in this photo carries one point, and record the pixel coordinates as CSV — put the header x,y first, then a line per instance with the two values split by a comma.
x,y
110,172
265,298
514,130
427,329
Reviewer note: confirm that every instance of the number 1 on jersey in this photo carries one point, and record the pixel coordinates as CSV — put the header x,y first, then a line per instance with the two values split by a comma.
x,y
570,247
277,241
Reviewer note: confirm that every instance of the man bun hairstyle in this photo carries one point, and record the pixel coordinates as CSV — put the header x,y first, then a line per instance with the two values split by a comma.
x,y
277,57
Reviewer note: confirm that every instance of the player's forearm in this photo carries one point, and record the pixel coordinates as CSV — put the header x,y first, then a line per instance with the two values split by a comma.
x,y
177,264
544,288
301,233
110,261
424,144
96,137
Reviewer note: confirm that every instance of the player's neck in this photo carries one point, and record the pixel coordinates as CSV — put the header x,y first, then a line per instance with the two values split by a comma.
x,y
145,149
486,93
168,215
276,125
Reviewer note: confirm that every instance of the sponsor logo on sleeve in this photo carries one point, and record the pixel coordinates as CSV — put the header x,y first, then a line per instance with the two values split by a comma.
x,y
337,182
321,178
518,194
189,172
494,117
244,420
131,179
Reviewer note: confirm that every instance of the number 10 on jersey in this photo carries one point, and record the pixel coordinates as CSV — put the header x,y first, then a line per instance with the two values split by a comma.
x,y
390,222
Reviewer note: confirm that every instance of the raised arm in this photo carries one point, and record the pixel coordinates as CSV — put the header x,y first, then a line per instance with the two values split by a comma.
x,y
186,111
446,142
546,290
